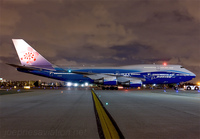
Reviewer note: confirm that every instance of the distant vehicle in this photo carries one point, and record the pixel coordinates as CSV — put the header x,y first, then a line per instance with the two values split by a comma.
x,y
131,76
191,87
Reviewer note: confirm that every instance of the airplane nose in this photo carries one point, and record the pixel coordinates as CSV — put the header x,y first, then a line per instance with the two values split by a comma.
x,y
192,75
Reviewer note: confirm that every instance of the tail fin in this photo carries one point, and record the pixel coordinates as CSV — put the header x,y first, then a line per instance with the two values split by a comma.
x,y
29,56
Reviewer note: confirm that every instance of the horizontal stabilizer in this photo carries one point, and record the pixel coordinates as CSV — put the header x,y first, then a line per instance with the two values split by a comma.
x,y
28,67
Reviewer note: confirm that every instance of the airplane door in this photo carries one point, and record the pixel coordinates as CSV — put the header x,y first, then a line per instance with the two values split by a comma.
x,y
51,74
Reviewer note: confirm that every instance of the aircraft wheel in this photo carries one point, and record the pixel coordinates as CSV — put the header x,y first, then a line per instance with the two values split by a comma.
x,y
175,88
111,88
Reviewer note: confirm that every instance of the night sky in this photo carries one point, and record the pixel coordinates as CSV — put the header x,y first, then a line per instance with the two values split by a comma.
x,y
101,33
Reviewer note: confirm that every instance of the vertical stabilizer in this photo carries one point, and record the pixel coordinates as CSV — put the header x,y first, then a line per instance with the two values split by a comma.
x,y
29,56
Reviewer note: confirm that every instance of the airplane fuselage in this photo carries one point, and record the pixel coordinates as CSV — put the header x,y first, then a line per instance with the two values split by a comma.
x,y
152,74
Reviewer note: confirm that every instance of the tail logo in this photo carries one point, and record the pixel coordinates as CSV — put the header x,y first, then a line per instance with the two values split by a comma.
x,y
29,56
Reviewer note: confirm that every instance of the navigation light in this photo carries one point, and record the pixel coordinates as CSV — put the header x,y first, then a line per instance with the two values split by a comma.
x,y
165,64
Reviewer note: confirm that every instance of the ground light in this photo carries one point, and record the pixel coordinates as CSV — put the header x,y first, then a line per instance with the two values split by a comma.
x,y
76,84
69,84
120,87
86,84
27,87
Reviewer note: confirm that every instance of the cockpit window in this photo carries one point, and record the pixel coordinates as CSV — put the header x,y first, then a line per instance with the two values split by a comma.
x,y
182,67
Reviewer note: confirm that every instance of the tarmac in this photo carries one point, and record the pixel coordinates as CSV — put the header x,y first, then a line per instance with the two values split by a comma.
x,y
69,113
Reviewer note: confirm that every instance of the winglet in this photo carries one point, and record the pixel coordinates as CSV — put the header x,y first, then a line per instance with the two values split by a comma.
x,y
29,56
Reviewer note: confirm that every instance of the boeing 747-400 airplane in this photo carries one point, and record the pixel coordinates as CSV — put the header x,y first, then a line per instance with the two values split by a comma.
x,y
133,76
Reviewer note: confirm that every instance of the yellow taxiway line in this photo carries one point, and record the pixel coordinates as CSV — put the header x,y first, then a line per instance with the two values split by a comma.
x,y
108,128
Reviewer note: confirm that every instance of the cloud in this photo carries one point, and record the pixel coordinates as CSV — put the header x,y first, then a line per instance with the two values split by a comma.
x,y
64,62
93,26
185,61
17,1
104,32
8,21
192,8
6,50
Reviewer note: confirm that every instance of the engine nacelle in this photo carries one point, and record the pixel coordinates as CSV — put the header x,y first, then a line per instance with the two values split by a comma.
x,y
110,80
106,80
129,82
135,83
98,81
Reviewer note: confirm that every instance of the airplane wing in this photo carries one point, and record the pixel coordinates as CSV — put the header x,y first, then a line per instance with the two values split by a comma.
x,y
99,77
93,75
109,78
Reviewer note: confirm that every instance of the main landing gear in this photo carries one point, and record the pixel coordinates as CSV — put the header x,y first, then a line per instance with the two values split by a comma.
x,y
109,87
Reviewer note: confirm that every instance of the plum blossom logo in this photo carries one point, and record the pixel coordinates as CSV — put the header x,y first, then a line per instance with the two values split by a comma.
x,y
29,56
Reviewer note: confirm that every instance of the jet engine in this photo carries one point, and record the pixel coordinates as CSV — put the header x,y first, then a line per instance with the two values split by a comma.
x,y
108,80
129,82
